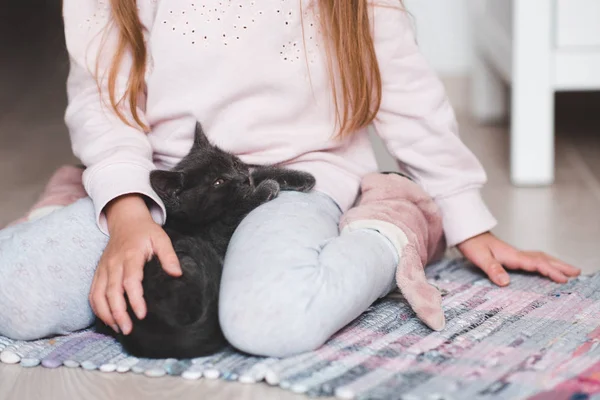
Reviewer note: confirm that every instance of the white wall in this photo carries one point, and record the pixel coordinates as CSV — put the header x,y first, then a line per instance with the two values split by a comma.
x,y
444,34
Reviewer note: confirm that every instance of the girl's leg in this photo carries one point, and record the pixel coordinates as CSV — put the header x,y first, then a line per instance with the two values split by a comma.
x,y
64,188
290,279
46,269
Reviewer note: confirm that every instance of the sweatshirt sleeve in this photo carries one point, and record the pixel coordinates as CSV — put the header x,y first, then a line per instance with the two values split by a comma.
x,y
118,157
418,125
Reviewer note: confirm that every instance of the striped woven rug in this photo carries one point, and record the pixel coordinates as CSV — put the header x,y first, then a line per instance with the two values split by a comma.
x,y
533,340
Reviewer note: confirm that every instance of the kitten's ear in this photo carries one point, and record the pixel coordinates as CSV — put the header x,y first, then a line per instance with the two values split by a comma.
x,y
200,139
166,183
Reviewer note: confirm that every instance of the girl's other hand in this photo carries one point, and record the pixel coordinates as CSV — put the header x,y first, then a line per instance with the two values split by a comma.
x,y
492,255
134,239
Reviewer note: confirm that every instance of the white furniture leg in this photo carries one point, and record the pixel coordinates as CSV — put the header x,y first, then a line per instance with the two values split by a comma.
x,y
532,119
488,92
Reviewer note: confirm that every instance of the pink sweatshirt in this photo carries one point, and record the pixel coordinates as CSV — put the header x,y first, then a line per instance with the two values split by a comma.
x,y
242,69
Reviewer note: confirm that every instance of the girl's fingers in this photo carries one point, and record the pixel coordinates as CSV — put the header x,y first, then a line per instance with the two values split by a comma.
x,y
492,267
536,262
490,255
132,282
563,267
99,301
116,301
517,260
482,257
91,298
163,248
495,272
557,276
544,267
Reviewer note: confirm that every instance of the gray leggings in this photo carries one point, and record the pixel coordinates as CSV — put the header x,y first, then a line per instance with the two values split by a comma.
x,y
290,279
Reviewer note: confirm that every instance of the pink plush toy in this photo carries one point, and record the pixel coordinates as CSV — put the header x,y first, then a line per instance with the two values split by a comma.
x,y
399,209
64,187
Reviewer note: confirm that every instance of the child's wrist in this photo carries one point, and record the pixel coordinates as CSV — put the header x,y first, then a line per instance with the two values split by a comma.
x,y
126,208
473,238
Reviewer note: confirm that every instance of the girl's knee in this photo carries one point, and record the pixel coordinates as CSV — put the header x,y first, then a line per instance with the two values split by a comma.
x,y
24,304
271,330
34,317
46,268
20,319
16,330
276,339
33,307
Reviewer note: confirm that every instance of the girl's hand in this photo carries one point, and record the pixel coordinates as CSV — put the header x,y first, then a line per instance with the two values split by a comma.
x,y
490,254
134,239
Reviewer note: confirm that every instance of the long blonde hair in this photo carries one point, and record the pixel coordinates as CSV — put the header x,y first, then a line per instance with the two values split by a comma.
x,y
354,72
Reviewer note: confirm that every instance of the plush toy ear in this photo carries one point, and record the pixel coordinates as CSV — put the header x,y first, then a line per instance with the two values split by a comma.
x,y
166,183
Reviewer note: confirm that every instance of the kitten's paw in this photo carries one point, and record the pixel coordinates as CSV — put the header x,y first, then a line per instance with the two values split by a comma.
x,y
268,189
298,181
306,182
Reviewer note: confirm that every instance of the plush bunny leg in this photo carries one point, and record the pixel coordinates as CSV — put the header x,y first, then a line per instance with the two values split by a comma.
x,y
399,209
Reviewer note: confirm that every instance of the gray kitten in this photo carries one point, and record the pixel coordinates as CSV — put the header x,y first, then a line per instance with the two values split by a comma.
x,y
206,197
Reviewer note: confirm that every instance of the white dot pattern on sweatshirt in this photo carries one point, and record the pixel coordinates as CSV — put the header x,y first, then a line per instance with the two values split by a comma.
x,y
306,47
224,15
99,18
235,18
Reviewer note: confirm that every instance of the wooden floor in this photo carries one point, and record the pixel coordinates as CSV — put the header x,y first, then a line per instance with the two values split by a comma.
x,y
562,219
20,384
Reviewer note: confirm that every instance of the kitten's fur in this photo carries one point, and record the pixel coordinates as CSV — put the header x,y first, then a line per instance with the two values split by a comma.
x,y
206,197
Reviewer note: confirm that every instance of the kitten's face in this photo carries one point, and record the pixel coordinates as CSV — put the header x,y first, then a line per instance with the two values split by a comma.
x,y
204,186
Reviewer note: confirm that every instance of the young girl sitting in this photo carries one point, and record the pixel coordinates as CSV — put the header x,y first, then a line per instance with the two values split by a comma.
x,y
288,82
